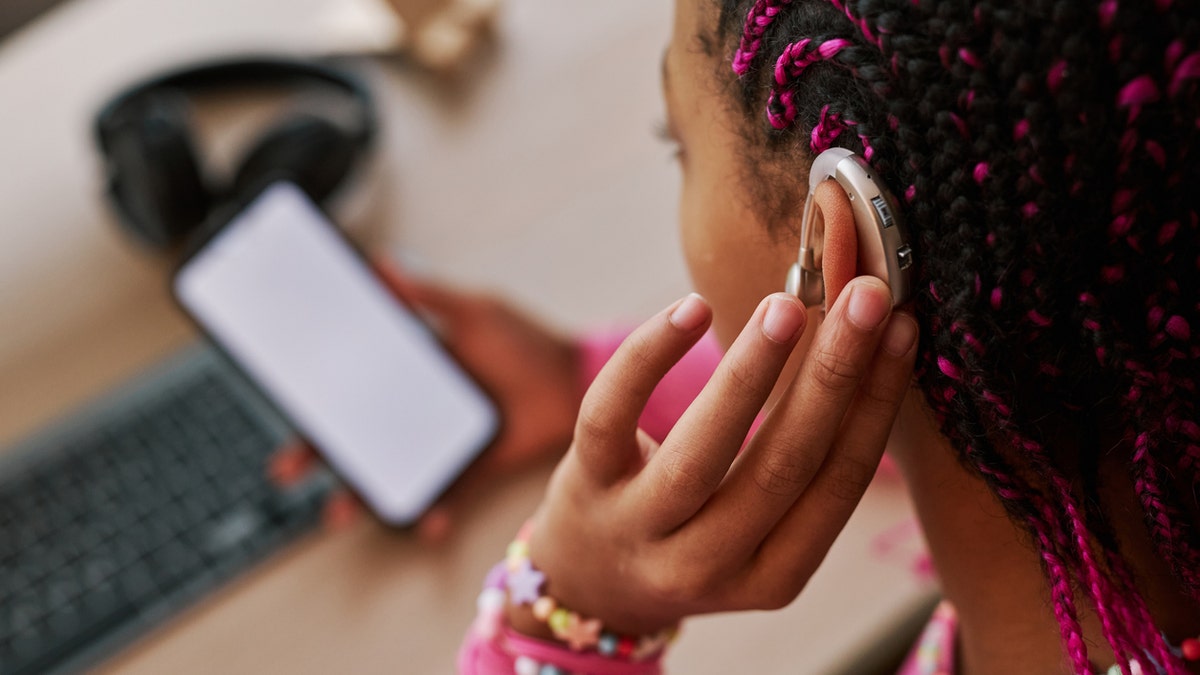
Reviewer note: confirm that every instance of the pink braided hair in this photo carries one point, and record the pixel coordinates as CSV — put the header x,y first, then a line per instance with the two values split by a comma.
x,y
760,17
796,57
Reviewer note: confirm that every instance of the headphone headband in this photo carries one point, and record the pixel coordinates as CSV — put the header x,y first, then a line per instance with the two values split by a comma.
x,y
246,72
156,176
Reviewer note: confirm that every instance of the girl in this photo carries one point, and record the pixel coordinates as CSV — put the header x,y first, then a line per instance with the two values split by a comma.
x,y
1044,156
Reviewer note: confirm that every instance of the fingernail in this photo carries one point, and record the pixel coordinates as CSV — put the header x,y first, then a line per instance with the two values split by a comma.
x,y
900,336
868,307
690,314
783,320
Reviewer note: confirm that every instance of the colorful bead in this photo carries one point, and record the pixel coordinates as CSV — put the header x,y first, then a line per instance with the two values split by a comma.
x,y
558,620
517,551
607,646
625,647
1191,649
544,607
490,600
551,669
525,583
525,666
497,577
581,633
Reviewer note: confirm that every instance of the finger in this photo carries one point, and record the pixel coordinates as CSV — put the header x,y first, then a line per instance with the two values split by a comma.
x,y
606,430
291,463
441,300
696,454
795,438
796,546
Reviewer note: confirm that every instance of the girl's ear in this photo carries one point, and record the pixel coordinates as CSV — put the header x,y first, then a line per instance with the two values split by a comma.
x,y
839,258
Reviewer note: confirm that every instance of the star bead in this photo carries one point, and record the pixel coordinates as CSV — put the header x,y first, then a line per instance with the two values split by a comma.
x,y
580,633
524,583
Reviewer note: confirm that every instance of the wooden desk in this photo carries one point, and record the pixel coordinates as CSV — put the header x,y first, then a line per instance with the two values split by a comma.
x,y
535,175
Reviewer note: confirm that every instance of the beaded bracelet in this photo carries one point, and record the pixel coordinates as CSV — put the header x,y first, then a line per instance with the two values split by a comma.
x,y
524,584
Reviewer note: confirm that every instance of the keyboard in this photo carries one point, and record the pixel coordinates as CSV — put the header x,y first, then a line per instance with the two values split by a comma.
x,y
130,510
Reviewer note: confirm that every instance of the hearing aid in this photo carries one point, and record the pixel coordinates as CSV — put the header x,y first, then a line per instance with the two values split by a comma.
x,y
883,248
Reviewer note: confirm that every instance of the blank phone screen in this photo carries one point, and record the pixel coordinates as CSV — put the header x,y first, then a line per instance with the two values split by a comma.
x,y
366,381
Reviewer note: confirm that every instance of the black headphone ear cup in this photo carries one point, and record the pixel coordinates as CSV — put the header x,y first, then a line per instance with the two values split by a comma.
x,y
154,176
312,152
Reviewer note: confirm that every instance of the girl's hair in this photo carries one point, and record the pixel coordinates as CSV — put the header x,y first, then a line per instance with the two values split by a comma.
x,y
1046,154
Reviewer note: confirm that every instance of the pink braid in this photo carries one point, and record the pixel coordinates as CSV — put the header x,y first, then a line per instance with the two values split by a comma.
x,y
1142,622
1064,598
826,131
1101,591
1107,601
796,57
1105,598
1041,523
757,20
1161,517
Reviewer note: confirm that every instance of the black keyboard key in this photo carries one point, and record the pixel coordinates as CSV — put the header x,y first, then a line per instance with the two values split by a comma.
x,y
127,519
40,649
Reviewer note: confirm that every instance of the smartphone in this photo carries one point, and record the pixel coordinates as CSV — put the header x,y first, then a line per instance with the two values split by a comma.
x,y
298,308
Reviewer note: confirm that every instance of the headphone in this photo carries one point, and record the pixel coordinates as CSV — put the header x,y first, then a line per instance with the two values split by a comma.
x,y
883,246
156,181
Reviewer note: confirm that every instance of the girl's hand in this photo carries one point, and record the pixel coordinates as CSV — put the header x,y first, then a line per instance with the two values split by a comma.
x,y
640,535
531,372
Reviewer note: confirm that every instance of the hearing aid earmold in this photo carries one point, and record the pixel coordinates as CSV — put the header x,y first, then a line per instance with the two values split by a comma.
x,y
883,249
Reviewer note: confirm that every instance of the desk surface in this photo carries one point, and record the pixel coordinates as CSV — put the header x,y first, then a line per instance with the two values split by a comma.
x,y
524,177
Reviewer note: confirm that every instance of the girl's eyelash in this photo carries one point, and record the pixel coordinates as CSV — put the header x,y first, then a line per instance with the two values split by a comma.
x,y
663,132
